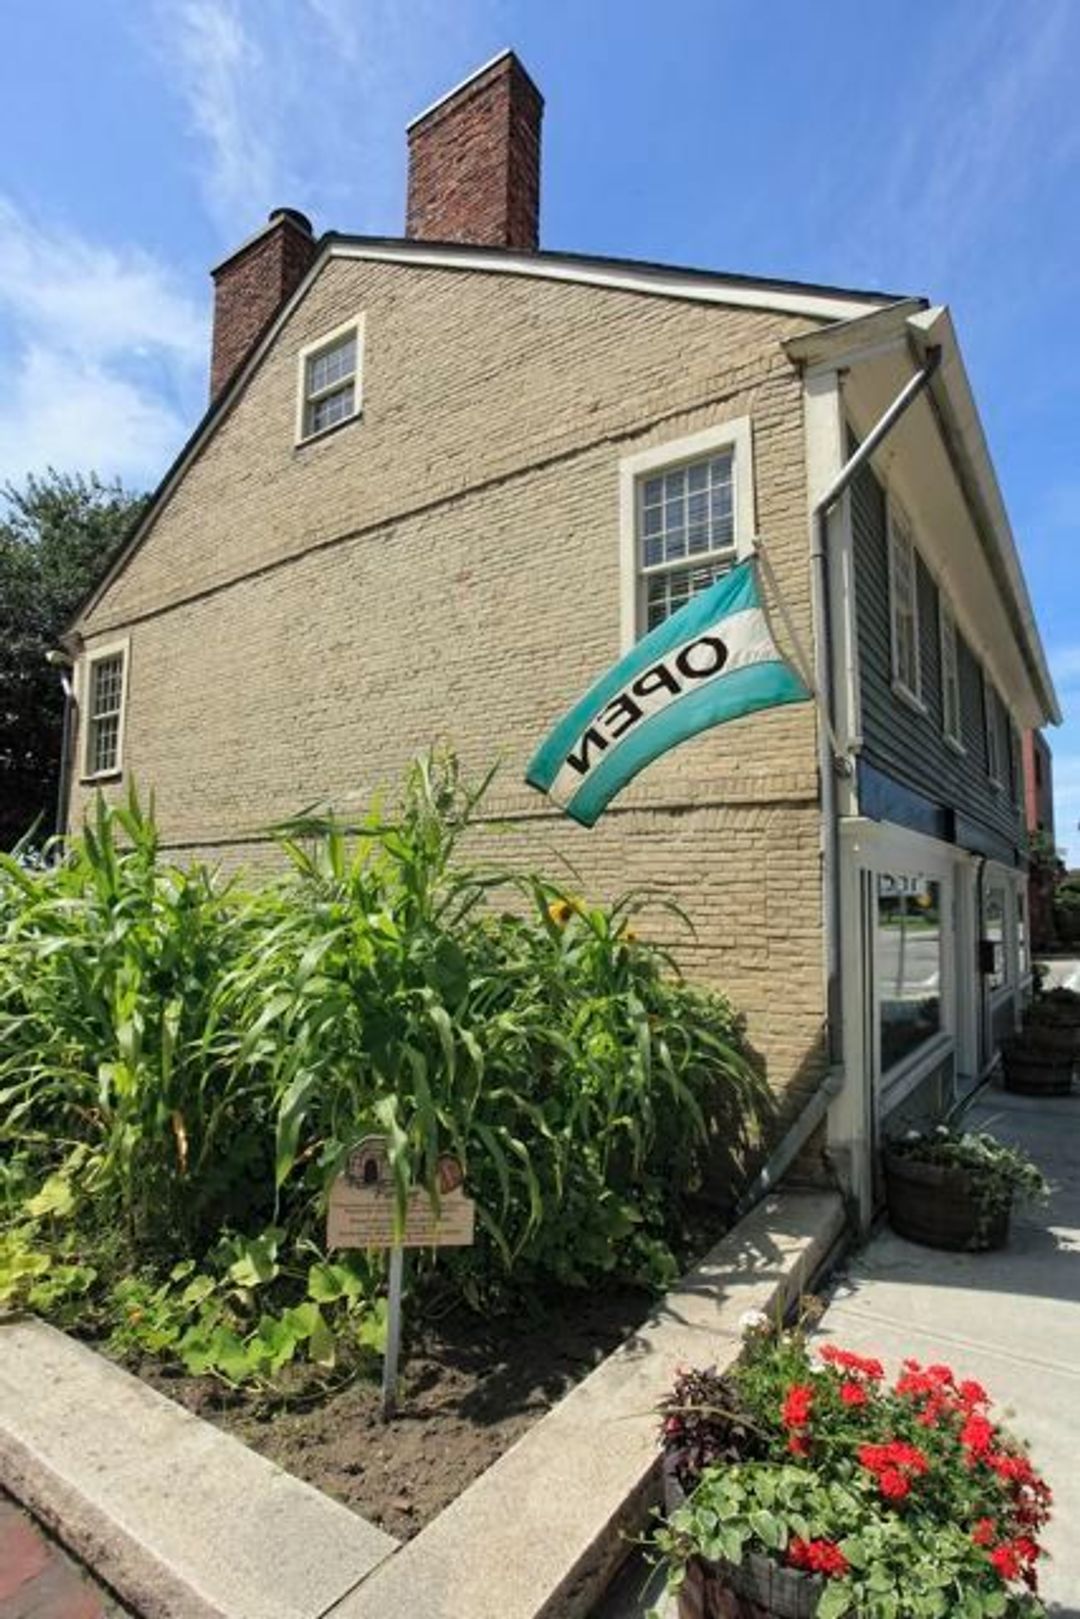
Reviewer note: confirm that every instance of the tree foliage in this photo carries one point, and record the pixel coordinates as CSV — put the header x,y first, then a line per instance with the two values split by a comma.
x,y
57,534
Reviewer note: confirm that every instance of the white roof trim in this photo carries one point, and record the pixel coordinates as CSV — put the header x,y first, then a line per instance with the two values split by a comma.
x,y
659,283
456,89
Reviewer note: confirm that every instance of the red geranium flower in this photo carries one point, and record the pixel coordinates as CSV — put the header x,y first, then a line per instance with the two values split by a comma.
x,y
848,1361
893,1484
797,1403
976,1434
853,1393
1006,1560
984,1532
818,1557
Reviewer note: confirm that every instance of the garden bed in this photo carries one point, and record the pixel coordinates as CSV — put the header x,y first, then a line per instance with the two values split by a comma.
x,y
470,1388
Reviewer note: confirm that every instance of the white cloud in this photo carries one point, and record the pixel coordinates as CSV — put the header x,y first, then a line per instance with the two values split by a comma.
x,y
305,104
227,85
101,345
83,417
1065,665
90,298
982,127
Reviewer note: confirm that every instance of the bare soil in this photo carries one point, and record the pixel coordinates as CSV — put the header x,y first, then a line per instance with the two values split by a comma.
x,y
469,1389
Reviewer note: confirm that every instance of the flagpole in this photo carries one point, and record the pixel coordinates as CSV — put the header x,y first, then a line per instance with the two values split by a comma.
x,y
800,655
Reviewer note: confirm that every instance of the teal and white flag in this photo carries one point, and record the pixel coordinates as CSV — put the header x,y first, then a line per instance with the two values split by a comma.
x,y
713,660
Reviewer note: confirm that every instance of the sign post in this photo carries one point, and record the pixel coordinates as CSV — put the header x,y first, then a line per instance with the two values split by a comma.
x,y
393,1333
362,1214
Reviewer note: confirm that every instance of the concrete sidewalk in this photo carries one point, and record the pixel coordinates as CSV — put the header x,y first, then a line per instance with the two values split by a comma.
x,y
1010,1319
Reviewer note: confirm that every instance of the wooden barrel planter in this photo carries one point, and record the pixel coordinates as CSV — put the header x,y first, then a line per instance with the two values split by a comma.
x,y
1053,1035
1033,1069
934,1205
756,1588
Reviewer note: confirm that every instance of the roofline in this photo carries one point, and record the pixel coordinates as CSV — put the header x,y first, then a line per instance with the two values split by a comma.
x,y
628,275
813,299
951,399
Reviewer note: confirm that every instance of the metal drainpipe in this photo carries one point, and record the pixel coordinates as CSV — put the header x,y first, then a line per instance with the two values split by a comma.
x,y
62,661
829,767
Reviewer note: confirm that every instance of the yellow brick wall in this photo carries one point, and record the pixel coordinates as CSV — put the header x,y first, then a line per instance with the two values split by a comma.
x,y
304,620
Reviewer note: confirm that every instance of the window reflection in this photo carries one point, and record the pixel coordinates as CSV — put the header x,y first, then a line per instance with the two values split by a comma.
x,y
908,964
994,930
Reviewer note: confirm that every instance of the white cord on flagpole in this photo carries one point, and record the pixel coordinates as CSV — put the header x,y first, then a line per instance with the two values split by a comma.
x,y
797,646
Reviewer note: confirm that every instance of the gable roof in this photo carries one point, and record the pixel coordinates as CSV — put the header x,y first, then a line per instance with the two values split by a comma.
x,y
808,299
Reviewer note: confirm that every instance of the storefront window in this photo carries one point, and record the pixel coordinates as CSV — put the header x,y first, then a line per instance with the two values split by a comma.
x,y
994,931
908,964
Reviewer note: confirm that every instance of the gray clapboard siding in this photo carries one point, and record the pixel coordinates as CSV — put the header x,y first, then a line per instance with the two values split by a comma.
x,y
904,744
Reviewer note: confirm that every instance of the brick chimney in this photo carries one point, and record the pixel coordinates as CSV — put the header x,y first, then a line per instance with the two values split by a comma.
x,y
251,286
474,161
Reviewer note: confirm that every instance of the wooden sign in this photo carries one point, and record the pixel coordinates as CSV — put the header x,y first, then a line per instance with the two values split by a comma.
x,y
361,1214
363,1205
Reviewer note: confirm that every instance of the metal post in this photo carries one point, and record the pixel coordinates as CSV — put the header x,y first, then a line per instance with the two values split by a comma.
x,y
393,1333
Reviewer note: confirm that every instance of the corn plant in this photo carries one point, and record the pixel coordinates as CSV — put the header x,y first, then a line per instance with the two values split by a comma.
x,y
192,1058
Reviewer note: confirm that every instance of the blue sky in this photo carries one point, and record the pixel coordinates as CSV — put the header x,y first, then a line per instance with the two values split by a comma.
x,y
930,148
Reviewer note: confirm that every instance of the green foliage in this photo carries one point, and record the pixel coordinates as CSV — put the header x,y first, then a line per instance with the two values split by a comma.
x,y
194,1059
56,535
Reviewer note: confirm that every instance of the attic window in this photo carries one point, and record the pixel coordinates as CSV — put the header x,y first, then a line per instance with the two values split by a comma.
x,y
330,380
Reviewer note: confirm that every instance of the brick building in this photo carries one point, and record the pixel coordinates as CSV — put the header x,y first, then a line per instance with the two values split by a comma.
x,y
444,479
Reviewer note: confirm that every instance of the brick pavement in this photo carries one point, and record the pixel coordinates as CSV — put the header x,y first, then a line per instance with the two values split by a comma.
x,y
37,1578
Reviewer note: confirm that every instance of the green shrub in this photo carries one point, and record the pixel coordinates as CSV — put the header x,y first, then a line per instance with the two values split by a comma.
x,y
190,1060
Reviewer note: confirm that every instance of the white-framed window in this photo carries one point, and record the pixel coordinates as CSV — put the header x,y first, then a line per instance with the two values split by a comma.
x,y
686,517
904,608
330,380
993,732
104,697
950,678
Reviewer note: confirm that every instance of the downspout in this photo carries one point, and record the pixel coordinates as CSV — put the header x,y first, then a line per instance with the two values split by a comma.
x,y
63,662
830,765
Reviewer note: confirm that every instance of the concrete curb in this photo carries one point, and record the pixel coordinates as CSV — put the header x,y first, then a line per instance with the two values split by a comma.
x,y
182,1520
185,1522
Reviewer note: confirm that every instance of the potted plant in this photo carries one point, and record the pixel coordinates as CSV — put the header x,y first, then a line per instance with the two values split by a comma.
x,y
1042,1060
952,1188
833,1492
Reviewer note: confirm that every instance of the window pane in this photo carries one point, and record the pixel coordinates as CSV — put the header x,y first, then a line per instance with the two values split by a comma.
x,y
908,964
690,511
994,930
107,685
331,408
667,592
331,365
105,738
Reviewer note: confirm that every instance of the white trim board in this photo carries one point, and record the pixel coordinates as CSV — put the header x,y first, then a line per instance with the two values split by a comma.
x,y
656,281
